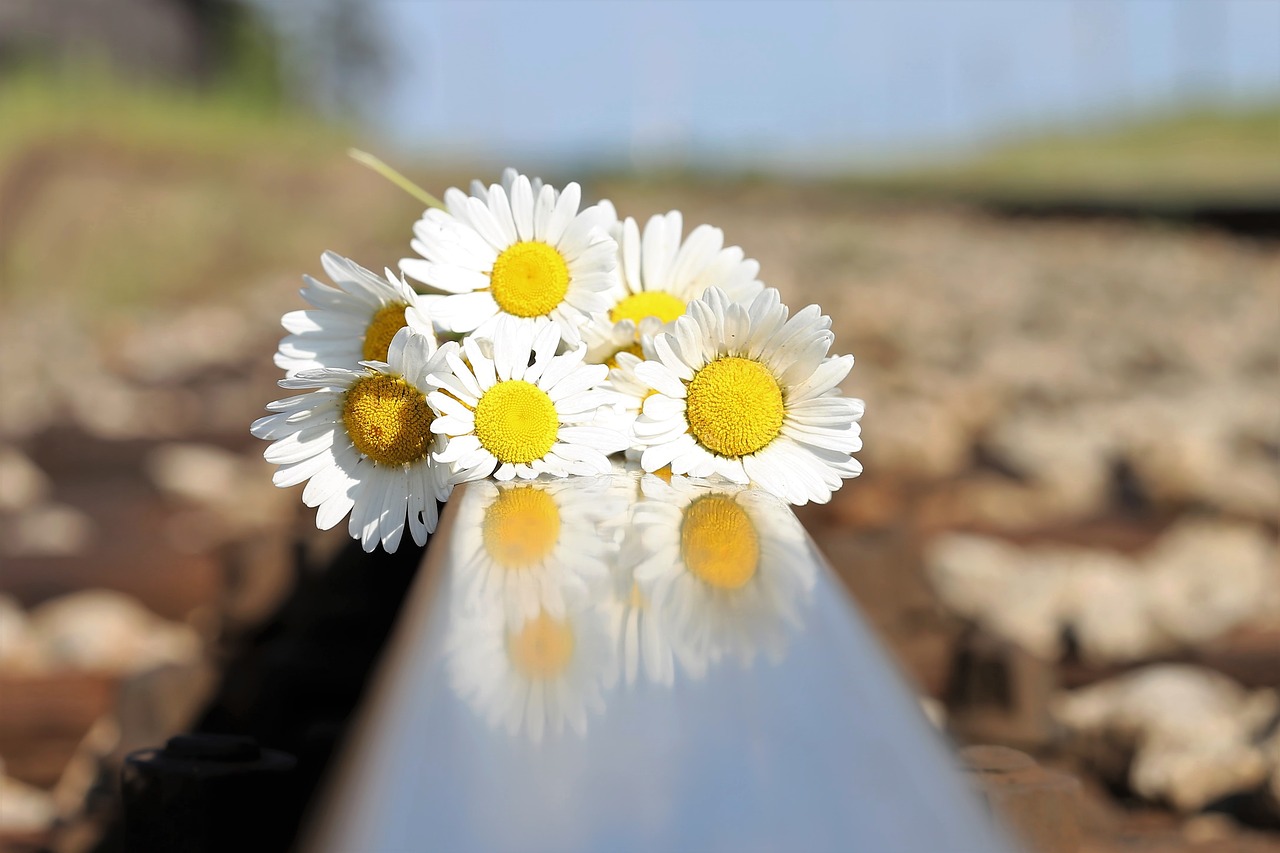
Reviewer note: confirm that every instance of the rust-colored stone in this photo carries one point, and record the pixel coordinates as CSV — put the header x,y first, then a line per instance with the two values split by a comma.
x,y
1040,807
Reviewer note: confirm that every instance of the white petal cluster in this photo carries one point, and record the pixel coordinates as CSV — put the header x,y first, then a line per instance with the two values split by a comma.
x,y
569,336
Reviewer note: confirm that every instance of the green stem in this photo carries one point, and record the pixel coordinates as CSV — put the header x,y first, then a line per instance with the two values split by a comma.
x,y
364,158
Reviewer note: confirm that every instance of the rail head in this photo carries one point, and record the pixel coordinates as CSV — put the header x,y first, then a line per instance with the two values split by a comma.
x,y
624,663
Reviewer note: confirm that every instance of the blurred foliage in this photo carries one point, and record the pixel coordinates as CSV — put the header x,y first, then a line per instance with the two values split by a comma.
x,y
233,115
132,196
1206,155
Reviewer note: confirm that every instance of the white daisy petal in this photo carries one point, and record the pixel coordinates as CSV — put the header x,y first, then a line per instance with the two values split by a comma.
x,y
660,378
522,207
824,378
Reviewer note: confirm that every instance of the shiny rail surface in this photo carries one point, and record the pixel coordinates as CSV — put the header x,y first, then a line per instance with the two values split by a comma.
x,y
626,664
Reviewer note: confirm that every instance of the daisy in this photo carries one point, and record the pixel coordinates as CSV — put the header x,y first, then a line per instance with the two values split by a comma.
x,y
529,675
745,393
513,408
363,440
350,323
514,254
724,570
535,546
659,274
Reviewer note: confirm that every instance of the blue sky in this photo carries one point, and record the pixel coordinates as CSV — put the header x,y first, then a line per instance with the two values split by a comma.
x,y
799,85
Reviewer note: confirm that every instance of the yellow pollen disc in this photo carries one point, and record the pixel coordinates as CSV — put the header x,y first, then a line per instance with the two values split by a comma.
x,y
388,419
648,303
719,542
529,279
542,648
734,406
516,421
386,321
634,349
521,527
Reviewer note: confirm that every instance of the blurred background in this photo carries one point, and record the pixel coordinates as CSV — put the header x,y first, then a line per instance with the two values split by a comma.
x,y
1049,231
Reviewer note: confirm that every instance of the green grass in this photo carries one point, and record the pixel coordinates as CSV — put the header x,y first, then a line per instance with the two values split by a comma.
x,y
223,119
130,196
1197,156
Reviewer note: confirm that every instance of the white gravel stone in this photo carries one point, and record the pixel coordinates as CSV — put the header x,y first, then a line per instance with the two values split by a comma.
x,y
22,484
46,530
24,808
107,631
1201,580
1194,732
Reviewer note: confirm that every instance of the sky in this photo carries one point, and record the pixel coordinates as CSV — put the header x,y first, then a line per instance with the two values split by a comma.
x,y
798,85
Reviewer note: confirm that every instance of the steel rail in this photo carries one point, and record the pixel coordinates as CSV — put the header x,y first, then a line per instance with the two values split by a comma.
x,y
625,664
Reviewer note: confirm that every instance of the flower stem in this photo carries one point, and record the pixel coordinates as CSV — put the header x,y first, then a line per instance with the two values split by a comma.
x,y
364,158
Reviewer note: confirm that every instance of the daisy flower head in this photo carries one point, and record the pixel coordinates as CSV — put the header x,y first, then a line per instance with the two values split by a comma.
x,y
723,570
530,675
513,408
745,393
352,322
362,441
514,254
660,273
535,545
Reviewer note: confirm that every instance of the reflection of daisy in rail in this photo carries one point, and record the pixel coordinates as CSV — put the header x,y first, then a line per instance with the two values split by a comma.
x,y
659,275
535,546
642,644
363,440
514,408
725,569
514,254
530,675
745,393
350,323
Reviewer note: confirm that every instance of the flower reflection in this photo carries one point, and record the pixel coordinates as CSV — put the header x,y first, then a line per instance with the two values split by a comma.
x,y
534,674
529,644
564,589
725,569
534,546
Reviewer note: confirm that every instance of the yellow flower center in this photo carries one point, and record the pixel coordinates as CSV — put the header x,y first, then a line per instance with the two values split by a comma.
x,y
521,527
388,419
648,303
386,321
719,542
542,648
529,279
734,406
636,599
516,421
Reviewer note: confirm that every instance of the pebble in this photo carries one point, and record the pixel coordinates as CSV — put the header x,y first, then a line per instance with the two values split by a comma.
x,y
1194,733
1200,580
105,631
24,808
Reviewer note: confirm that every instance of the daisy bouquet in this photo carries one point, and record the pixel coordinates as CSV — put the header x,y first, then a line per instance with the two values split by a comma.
x,y
539,338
